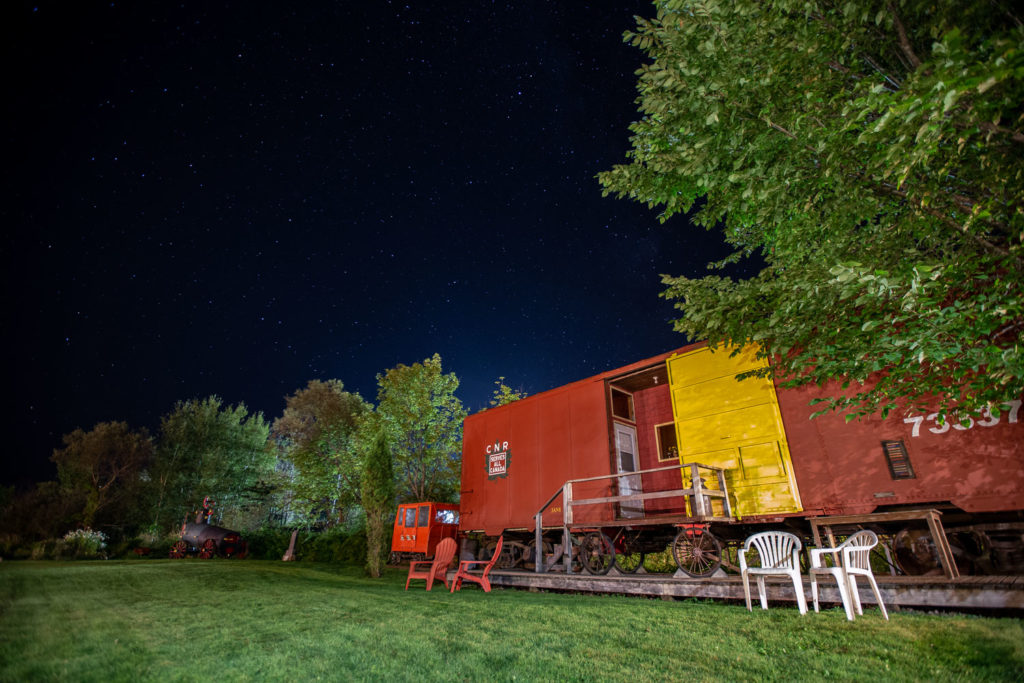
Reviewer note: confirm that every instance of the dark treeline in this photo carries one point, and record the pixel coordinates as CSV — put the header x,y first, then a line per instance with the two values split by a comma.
x,y
306,469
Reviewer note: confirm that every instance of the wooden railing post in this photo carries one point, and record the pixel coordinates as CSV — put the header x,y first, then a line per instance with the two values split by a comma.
x,y
538,544
726,506
698,494
567,503
567,516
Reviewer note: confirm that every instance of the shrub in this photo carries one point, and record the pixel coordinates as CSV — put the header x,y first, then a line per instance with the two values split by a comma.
x,y
83,544
336,544
660,562
268,543
44,550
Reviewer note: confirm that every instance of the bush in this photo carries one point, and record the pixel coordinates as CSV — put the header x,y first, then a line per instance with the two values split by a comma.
x,y
268,543
44,550
336,544
13,546
660,562
83,544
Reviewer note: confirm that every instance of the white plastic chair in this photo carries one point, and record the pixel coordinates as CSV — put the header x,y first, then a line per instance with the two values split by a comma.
x,y
779,553
854,560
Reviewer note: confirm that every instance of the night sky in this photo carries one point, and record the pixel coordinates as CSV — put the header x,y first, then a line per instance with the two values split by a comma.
x,y
235,198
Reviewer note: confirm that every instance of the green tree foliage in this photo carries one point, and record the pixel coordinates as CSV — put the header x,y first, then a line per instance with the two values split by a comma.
x,y
871,153
206,448
99,469
317,435
504,394
378,497
422,419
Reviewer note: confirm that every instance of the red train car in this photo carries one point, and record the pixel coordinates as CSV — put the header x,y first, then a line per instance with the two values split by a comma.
x,y
628,441
419,527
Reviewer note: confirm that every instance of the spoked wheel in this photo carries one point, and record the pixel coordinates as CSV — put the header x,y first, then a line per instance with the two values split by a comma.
x,y
915,552
532,556
697,552
597,553
511,556
179,550
629,563
208,550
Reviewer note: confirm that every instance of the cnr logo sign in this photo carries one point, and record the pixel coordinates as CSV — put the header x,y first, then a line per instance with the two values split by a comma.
x,y
498,455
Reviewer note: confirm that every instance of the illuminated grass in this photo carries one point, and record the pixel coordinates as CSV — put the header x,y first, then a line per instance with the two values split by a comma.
x,y
244,620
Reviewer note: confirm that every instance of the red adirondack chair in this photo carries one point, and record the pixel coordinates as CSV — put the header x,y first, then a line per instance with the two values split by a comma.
x,y
438,567
466,565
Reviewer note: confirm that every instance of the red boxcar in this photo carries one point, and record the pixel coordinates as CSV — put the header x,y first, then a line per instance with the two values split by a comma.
x,y
419,527
767,462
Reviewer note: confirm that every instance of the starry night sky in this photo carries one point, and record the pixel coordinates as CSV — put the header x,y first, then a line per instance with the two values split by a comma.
x,y
235,198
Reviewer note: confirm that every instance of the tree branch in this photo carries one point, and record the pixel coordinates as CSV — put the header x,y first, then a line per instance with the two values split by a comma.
x,y
1015,135
905,46
919,204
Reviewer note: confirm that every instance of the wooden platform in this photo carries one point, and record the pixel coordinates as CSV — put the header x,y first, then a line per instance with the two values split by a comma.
x,y
916,592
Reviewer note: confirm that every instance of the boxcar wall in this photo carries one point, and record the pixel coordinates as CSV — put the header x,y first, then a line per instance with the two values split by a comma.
x,y
902,461
516,456
686,406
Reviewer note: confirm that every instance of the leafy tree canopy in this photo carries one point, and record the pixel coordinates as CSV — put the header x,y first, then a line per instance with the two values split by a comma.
x,y
318,436
101,466
206,448
422,420
504,394
871,154
378,498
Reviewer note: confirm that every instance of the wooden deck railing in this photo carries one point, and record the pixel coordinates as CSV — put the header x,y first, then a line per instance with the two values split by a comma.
x,y
698,498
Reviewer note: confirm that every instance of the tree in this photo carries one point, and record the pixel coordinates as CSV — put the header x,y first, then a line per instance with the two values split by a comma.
x,y
100,466
210,449
378,497
504,394
422,419
871,154
317,436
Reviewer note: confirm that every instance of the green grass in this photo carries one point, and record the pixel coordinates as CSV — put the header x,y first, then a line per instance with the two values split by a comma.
x,y
264,620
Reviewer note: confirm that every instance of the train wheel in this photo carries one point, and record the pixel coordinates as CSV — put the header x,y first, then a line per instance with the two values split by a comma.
x,y
972,551
531,558
178,550
511,556
208,550
915,552
597,553
241,550
697,552
629,563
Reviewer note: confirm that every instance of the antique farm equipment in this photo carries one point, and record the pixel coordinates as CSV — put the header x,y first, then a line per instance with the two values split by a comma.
x,y
419,527
674,453
206,540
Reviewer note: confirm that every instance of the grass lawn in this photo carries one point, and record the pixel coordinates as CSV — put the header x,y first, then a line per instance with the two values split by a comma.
x,y
244,620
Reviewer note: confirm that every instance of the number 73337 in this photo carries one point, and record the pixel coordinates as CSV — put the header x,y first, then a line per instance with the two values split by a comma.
x,y
987,420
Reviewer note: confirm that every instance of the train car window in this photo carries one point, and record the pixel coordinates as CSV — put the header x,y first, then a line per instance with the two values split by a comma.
x,y
667,448
622,405
410,517
899,460
424,515
398,517
447,517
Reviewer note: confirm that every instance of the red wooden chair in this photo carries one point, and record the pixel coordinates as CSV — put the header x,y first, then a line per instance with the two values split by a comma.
x,y
438,567
466,565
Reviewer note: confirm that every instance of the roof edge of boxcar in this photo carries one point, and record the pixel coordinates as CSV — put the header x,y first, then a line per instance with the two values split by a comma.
x,y
604,376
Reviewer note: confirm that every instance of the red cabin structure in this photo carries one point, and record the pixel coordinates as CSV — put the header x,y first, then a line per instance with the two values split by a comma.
x,y
419,527
675,445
